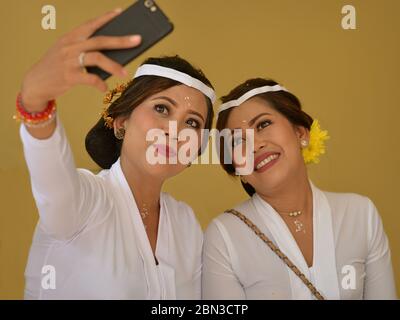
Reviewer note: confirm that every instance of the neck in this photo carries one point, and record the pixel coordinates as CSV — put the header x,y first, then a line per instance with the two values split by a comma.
x,y
294,195
145,189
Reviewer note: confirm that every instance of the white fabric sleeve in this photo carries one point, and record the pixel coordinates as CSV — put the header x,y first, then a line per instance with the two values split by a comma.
x,y
219,281
191,234
198,262
64,195
379,281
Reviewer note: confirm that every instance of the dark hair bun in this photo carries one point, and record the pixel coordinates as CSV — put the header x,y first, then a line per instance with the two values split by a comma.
x,y
101,144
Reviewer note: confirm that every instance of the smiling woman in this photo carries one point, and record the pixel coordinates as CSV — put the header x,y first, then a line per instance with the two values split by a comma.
x,y
297,241
113,235
285,104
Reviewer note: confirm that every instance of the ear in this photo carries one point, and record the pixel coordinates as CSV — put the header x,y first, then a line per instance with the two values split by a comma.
x,y
302,133
120,122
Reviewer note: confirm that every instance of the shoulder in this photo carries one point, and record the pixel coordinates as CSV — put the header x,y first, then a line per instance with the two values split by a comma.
x,y
102,177
347,198
178,208
96,189
182,215
101,174
91,179
227,223
353,202
353,208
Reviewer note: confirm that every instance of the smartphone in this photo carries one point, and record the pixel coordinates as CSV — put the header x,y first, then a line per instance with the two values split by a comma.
x,y
144,18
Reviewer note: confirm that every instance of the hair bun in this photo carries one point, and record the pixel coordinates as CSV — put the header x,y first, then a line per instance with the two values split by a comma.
x,y
102,146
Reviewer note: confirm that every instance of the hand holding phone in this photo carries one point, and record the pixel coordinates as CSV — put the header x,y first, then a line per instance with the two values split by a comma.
x,y
143,17
101,44
59,68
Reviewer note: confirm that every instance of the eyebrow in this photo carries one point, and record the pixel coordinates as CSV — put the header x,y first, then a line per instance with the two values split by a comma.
x,y
175,104
172,101
196,113
252,121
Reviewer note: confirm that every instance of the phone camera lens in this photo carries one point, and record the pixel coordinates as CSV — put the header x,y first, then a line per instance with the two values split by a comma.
x,y
149,3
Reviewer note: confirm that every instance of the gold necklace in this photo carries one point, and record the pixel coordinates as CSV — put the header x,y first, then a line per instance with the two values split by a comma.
x,y
298,224
144,213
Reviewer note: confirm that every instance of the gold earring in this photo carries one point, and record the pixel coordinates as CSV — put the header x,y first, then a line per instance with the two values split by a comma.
x,y
243,179
120,133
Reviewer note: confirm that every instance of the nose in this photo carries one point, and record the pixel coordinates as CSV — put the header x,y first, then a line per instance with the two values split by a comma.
x,y
258,143
169,130
174,127
173,136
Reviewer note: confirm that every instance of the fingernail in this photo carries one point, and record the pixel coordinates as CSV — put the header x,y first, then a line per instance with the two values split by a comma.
x,y
118,10
135,38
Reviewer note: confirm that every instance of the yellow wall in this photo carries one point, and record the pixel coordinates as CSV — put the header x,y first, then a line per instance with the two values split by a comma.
x,y
348,79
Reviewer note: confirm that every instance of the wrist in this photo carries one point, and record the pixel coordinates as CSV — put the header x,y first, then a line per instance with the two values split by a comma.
x,y
32,103
38,118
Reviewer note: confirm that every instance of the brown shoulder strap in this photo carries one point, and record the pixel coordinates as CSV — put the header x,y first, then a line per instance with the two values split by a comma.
x,y
278,252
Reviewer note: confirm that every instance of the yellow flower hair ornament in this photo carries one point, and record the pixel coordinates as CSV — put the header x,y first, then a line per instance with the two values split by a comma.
x,y
108,99
316,145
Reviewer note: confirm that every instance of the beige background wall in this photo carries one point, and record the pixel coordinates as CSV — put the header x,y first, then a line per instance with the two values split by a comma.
x,y
348,79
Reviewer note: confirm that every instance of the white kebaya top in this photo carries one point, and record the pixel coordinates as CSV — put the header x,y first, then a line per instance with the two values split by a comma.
x,y
91,234
351,258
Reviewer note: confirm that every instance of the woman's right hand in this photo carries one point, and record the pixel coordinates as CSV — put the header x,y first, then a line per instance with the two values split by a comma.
x,y
59,69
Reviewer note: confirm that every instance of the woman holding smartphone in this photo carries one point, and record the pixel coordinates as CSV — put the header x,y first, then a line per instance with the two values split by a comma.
x,y
113,235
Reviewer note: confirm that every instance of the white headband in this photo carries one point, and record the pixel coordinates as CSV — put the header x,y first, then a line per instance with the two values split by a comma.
x,y
248,95
155,70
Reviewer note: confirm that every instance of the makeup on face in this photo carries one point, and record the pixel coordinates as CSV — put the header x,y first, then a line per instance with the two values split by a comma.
x,y
265,161
174,115
165,150
167,109
258,122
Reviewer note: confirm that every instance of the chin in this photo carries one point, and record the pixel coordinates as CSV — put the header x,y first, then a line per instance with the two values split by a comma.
x,y
271,180
164,170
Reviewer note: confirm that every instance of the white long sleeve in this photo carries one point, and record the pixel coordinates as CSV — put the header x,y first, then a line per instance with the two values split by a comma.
x,y
379,279
65,196
219,279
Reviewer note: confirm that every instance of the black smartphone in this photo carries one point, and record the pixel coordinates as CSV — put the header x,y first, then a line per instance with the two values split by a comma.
x,y
144,18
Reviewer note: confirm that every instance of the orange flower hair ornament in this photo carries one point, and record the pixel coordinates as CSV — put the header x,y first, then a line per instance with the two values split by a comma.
x,y
108,99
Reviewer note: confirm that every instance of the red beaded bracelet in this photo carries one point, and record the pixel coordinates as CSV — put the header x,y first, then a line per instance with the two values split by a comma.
x,y
35,119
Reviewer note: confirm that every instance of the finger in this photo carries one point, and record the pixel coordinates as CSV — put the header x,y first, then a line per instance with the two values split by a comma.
x,y
88,28
91,80
100,60
108,42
